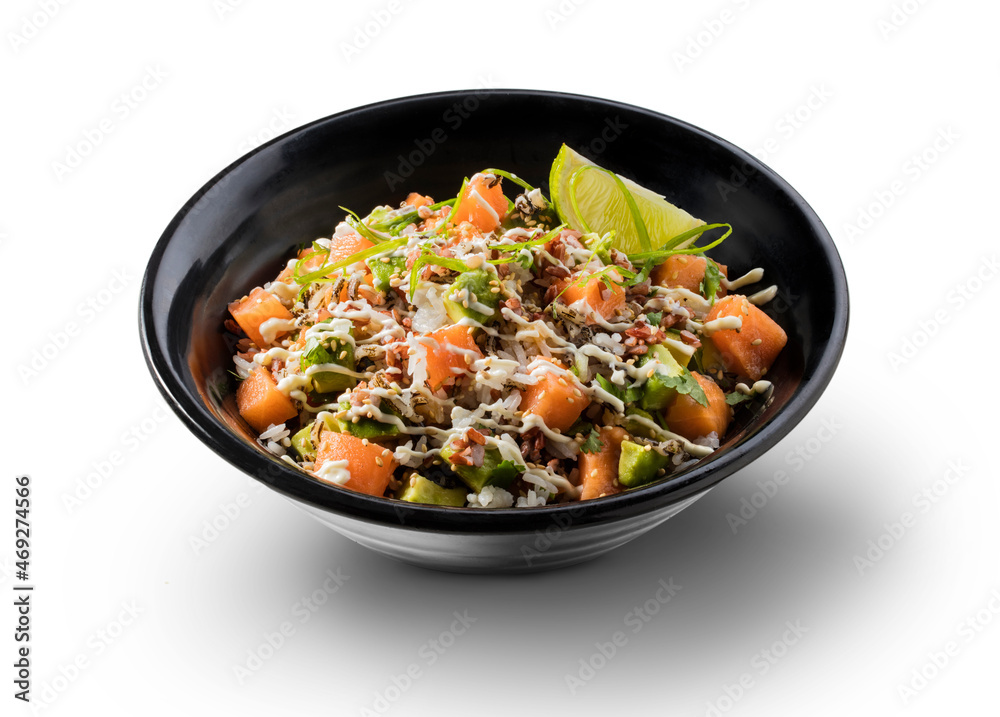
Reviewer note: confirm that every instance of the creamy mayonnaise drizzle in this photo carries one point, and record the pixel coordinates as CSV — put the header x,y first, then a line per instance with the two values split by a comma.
x,y
475,196
334,472
763,296
751,277
270,329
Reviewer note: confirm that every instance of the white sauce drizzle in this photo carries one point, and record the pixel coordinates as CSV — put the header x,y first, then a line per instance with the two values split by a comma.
x,y
475,196
270,329
751,277
763,296
334,472
722,323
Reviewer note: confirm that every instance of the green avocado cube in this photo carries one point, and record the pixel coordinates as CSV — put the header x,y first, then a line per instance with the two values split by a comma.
x,y
638,466
494,471
302,442
382,270
303,445
637,428
325,352
658,390
681,357
364,427
422,490
470,292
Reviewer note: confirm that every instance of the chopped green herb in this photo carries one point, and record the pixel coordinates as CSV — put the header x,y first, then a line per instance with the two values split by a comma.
x,y
687,384
737,397
593,443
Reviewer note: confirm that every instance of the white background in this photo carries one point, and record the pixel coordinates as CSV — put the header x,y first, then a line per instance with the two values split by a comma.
x,y
876,86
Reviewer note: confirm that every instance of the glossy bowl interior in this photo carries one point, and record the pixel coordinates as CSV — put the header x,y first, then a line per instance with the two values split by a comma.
x,y
239,229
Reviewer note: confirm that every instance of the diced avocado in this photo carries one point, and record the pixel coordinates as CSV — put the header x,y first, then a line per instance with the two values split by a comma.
x,y
472,289
364,427
383,270
422,490
658,391
638,466
331,351
303,445
682,357
637,428
628,396
302,441
494,470
709,358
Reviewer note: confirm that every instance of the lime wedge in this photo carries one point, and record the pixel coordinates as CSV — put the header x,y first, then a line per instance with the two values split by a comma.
x,y
602,205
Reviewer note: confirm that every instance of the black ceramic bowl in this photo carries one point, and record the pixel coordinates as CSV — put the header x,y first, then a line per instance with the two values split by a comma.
x,y
236,232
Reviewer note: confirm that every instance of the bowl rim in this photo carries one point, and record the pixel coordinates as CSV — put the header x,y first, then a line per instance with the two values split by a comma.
x,y
299,486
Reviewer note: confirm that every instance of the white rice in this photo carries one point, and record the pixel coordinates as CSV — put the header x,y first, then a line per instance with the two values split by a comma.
x,y
490,497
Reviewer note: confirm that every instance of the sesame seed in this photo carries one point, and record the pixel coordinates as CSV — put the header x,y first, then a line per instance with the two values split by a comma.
x,y
343,355
562,381
757,342
647,448
649,374
356,419
378,461
577,392
569,399
364,441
